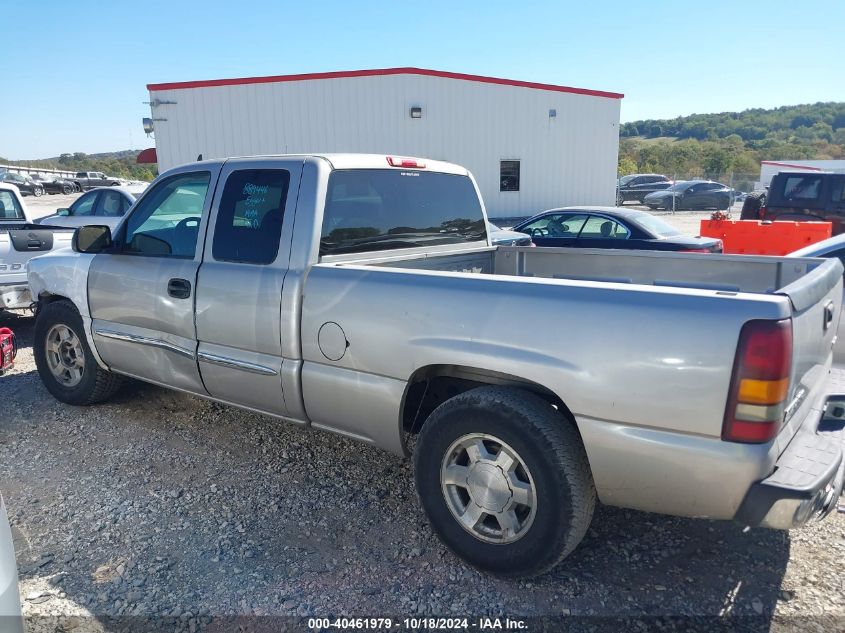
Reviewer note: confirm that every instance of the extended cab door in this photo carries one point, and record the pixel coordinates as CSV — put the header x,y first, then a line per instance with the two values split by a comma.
x,y
141,293
239,289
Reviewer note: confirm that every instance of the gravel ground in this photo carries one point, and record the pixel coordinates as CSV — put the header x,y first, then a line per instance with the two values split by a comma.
x,y
176,512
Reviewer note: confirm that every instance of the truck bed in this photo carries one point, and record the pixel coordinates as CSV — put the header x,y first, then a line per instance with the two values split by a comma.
x,y
763,275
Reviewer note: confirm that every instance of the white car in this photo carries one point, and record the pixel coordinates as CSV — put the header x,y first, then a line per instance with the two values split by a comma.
x,y
103,205
10,602
832,247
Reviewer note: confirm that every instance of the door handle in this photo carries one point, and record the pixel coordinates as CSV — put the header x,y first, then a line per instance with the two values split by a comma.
x,y
179,288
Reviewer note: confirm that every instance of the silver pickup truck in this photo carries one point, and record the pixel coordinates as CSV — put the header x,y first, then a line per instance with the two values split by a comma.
x,y
360,294
21,240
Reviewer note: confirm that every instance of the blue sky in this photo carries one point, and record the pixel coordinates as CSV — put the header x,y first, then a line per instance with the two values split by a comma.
x,y
78,84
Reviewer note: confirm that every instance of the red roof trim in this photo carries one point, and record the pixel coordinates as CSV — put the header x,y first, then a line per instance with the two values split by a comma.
x,y
209,83
779,164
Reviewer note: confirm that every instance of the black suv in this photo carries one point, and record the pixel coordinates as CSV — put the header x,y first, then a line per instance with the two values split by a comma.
x,y
637,186
802,196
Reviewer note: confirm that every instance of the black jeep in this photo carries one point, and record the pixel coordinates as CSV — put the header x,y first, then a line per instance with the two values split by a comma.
x,y
800,196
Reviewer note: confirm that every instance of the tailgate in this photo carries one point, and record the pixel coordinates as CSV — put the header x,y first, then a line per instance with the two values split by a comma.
x,y
816,300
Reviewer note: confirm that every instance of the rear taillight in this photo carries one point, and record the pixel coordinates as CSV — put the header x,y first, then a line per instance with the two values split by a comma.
x,y
394,161
760,382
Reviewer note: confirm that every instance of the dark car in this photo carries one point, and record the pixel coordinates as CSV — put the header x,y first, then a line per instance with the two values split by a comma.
x,y
611,227
801,196
637,186
54,184
26,185
692,194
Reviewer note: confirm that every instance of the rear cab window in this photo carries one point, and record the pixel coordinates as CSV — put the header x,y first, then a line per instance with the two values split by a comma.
x,y
380,209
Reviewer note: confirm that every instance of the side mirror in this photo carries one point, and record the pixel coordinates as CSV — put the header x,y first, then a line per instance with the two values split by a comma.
x,y
94,238
63,212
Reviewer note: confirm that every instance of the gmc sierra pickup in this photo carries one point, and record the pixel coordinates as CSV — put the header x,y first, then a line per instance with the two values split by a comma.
x,y
21,240
360,294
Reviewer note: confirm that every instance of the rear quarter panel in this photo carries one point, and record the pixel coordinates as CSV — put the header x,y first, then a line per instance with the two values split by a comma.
x,y
645,371
649,357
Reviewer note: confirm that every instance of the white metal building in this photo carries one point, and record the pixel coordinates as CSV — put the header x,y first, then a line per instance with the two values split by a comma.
x,y
769,168
530,146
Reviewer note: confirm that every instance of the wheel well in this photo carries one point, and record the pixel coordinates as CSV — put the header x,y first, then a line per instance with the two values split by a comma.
x,y
431,386
45,297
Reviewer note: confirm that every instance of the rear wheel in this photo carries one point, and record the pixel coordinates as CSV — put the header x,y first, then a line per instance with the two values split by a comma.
x,y
505,481
67,189
37,192
64,360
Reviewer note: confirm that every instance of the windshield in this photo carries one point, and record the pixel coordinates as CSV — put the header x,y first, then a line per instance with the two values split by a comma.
x,y
625,179
655,225
380,209
678,186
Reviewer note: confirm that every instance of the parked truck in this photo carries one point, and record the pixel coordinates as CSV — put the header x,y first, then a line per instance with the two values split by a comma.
x,y
85,180
360,294
21,240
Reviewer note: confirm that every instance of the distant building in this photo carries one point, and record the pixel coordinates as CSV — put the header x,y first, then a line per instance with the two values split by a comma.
x,y
769,168
530,146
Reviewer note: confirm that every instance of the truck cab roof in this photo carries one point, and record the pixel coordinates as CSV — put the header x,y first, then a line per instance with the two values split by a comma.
x,y
357,161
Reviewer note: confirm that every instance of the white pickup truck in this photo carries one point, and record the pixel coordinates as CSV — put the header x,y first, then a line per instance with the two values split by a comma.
x,y
360,294
21,240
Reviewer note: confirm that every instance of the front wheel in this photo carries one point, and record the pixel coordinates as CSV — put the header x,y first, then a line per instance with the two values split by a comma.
x,y
64,360
504,480
38,192
67,189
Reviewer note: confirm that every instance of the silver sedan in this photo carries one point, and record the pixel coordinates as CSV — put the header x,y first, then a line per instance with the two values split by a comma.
x,y
103,205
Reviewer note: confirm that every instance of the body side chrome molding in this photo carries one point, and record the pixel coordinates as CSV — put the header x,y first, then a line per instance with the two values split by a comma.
x,y
225,361
146,340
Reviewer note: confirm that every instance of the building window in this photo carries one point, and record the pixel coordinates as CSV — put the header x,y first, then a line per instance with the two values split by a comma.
x,y
509,175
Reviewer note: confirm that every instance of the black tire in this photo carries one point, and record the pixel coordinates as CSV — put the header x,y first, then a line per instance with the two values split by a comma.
x,y
68,189
752,204
114,184
77,187
553,453
37,192
620,200
97,384
669,205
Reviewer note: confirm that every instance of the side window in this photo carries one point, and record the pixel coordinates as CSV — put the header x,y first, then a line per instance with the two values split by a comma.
x,y
166,221
249,219
84,206
509,175
10,209
837,191
110,205
597,227
556,225
801,187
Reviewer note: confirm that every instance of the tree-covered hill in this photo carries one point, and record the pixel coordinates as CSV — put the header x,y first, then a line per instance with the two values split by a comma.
x,y
716,145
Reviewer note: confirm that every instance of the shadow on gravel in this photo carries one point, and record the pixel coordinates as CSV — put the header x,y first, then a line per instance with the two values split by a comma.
x,y
22,326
